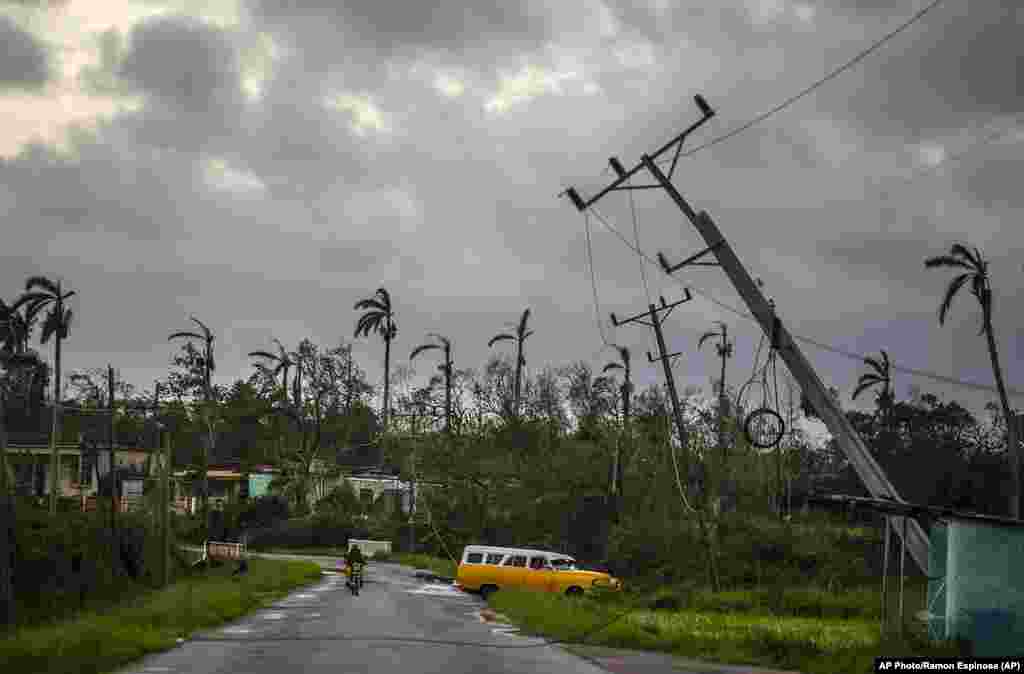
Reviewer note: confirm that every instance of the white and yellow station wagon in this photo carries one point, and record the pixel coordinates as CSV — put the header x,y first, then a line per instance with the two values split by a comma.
x,y
485,569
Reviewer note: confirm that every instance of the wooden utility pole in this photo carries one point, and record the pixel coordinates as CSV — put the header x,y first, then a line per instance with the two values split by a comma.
x,y
853,446
654,314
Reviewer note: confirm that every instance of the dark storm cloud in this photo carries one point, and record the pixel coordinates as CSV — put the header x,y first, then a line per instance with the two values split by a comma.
x,y
184,63
390,25
100,190
25,62
188,72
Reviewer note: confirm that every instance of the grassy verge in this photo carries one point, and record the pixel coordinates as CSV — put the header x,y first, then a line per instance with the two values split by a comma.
x,y
733,628
98,642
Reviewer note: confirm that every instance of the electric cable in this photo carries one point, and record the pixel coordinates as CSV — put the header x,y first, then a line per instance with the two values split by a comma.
x,y
860,56
636,237
593,279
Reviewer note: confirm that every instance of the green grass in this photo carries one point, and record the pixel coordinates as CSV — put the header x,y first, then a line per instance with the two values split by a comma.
x,y
102,641
732,628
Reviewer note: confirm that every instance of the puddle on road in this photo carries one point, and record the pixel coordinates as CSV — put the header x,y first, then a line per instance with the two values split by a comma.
x,y
439,591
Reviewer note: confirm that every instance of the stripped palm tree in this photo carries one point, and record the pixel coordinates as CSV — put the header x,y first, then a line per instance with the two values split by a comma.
x,y
973,270
881,376
42,293
280,363
626,390
379,318
446,367
519,338
206,360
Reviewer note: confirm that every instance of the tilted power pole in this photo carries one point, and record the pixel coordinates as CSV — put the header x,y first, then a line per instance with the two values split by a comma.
x,y
853,446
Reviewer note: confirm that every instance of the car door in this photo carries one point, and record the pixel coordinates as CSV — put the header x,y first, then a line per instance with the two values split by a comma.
x,y
539,575
513,571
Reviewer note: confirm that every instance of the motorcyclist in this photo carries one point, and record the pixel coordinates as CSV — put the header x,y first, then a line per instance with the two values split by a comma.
x,y
354,559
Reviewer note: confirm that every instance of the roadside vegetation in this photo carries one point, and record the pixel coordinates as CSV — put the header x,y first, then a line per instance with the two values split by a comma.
x,y
95,641
736,627
568,457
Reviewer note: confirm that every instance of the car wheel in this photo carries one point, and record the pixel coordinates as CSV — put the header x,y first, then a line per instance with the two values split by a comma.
x,y
487,590
574,591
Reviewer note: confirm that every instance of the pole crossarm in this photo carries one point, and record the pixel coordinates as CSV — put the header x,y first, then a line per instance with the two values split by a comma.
x,y
690,261
624,175
653,311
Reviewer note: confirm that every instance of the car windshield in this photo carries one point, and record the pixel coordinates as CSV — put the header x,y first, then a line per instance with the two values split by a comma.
x,y
564,564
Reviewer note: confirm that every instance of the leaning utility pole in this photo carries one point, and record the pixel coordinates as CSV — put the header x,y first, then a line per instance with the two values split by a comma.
x,y
853,446
656,319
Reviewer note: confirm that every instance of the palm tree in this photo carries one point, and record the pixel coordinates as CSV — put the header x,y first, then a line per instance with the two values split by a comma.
x,y
207,338
882,375
975,271
379,318
626,389
41,293
519,338
281,362
446,368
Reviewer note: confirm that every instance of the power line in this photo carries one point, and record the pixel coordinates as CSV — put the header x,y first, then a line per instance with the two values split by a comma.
x,y
593,279
807,90
807,340
636,237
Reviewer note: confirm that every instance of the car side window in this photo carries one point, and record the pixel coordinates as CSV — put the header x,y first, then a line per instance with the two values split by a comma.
x,y
495,558
474,558
516,560
538,563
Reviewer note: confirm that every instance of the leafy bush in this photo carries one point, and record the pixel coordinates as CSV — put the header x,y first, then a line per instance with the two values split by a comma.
x,y
262,512
63,562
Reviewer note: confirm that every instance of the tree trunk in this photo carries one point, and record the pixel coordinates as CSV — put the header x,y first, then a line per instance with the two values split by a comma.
x,y
55,429
519,379
1012,441
387,377
448,398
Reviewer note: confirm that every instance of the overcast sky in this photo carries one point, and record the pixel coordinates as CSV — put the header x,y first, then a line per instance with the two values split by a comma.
x,y
263,164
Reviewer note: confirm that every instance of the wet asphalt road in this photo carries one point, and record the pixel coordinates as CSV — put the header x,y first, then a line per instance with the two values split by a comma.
x,y
398,624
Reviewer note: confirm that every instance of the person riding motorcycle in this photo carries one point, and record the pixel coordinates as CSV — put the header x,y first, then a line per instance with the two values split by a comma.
x,y
354,559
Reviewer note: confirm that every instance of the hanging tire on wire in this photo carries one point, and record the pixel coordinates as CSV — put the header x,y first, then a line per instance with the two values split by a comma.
x,y
764,428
